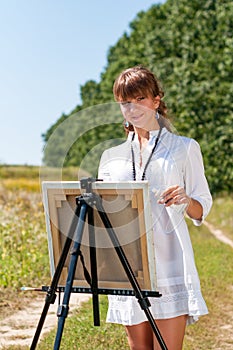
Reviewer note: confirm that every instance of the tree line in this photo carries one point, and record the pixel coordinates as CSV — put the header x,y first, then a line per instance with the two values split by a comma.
x,y
188,45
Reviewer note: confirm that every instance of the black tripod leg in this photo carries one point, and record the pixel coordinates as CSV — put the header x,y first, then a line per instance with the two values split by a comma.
x,y
144,302
51,294
93,261
64,308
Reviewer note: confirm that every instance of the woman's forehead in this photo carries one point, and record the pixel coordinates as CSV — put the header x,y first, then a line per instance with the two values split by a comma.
x,y
126,92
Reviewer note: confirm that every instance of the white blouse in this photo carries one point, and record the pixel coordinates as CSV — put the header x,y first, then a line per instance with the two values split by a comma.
x,y
177,160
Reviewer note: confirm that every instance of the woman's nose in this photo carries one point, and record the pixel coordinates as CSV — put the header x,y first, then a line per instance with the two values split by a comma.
x,y
131,106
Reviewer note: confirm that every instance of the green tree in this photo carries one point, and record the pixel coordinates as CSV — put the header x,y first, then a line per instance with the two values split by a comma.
x,y
188,45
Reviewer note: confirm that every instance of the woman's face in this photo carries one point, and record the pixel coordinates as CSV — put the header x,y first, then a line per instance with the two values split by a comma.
x,y
140,111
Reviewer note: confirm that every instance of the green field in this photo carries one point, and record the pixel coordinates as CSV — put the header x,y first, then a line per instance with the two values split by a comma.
x,y
24,261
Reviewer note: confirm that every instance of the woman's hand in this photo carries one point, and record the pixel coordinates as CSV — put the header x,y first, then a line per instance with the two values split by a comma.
x,y
177,195
174,195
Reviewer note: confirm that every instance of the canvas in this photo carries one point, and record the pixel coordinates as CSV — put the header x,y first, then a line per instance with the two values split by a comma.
x,y
127,206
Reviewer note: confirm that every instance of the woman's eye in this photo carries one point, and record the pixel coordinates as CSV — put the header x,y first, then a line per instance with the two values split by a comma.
x,y
125,103
140,98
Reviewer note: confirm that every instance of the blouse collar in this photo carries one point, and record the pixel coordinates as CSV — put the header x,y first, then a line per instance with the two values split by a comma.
x,y
152,133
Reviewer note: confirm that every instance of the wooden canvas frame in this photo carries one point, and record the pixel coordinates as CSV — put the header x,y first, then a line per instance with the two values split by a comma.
x,y
128,209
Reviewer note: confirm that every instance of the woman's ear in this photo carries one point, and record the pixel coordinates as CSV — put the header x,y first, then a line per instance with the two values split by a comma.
x,y
157,101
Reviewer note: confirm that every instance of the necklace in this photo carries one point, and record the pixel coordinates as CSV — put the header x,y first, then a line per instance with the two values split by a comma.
x,y
148,160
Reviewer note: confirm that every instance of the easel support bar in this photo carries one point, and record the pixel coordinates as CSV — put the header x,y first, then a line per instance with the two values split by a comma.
x,y
106,291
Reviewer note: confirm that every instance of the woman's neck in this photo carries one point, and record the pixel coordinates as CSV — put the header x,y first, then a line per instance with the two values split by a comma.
x,y
144,134
143,137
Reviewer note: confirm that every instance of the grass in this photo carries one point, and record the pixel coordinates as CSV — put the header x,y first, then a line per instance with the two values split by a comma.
x,y
80,333
23,249
40,173
23,239
24,261
214,262
221,215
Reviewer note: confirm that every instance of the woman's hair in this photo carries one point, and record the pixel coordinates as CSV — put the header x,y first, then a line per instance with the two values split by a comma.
x,y
139,81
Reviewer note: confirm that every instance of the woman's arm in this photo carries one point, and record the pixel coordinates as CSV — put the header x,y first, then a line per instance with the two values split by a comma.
x,y
195,192
194,209
177,195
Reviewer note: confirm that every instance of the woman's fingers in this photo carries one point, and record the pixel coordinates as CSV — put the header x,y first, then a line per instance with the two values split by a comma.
x,y
173,195
168,195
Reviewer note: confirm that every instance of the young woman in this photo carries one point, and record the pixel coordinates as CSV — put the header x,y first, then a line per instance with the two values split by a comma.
x,y
173,167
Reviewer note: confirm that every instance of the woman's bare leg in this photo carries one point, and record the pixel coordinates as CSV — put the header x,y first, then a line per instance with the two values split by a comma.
x,y
172,331
140,336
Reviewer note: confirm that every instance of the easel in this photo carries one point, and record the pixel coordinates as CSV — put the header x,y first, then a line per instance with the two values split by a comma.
x,y
84,208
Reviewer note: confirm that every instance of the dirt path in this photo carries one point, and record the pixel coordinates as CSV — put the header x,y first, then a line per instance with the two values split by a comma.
x,y
19,328
218,234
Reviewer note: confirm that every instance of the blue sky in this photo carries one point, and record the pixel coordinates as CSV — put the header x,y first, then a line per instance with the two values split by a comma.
x,y
48,49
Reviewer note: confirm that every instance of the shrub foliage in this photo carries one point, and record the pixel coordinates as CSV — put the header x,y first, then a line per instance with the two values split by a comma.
x,y
188,45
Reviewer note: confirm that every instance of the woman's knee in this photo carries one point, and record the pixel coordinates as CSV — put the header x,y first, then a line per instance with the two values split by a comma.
x,y
172,331
140,337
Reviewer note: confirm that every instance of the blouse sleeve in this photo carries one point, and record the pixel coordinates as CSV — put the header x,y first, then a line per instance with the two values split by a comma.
x,y
196,185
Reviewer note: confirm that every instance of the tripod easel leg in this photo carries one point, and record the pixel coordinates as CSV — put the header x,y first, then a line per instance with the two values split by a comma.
x,y
51,294
93,261
64,308
143,301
